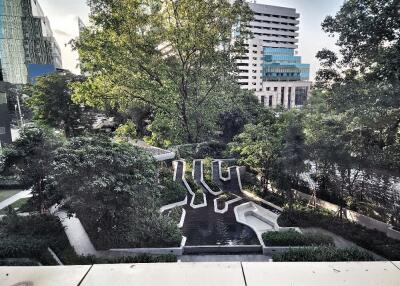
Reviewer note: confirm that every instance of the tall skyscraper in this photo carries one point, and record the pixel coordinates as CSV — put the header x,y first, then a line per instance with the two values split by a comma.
x,y
270,66
5,131
27,46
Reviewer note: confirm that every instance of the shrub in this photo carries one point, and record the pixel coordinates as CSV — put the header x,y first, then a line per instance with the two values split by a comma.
x,y
175,214
222,199
18,262
294,238
171,192
322,254
143,258
372,240
211,149
22,247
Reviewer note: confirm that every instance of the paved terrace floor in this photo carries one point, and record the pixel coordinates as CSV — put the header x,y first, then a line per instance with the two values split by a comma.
x,y
209,274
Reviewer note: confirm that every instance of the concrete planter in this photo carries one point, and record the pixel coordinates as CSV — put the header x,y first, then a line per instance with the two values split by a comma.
x,y
223,249
151,251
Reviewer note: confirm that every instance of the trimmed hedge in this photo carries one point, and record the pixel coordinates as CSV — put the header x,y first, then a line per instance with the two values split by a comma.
x,y
18,262
294,238
372,240
143,258
322,254
22,247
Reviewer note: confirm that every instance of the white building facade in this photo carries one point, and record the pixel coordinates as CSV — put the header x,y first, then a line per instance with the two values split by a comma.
x,y
270,66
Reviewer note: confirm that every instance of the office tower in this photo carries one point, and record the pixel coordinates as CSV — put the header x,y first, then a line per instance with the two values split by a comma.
x,y
27,46
270,65
5,131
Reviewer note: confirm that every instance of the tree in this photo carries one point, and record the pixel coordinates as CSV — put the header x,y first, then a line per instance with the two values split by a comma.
x,y
51,103
293,155
113,189
30,157
176,56
258,147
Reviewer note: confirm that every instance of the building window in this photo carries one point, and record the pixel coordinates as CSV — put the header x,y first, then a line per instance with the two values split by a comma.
x,y
275,89
2,130
270,101
268,89
3,98
300,95
263,100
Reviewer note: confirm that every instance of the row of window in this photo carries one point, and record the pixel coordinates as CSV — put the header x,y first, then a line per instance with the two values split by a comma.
x,y
271,35
275,16
272,22
273,29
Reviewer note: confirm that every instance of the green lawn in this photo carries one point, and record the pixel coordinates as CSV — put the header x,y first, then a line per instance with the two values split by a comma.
x,y
18,204
5,194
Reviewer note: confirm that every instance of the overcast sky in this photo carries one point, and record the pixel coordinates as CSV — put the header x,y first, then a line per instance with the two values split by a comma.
x,y
63,19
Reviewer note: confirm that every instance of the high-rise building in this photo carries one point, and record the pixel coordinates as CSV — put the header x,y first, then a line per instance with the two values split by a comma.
x,y
27,46
270,65
5,130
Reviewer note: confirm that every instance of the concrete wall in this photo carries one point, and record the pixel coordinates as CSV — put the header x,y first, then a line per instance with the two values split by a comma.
x,y
225,249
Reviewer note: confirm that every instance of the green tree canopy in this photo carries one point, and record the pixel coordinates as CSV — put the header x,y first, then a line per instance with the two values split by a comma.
x,y
51,103
30,157
176,56
113,189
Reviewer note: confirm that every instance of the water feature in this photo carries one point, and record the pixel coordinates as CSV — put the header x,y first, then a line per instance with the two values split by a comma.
x,y
203,226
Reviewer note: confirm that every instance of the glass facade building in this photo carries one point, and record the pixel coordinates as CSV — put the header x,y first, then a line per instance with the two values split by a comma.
x,y
5,130
27,45
281,64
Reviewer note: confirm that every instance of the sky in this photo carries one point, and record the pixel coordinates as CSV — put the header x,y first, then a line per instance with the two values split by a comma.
x,y
63,20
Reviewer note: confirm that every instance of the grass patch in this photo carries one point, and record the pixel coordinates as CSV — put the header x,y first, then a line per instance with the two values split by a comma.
x,y
294,238
5,194
20,206
322,254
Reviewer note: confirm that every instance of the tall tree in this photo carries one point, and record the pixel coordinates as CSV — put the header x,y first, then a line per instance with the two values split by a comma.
x,y
51,103
113,189
30,157
177,56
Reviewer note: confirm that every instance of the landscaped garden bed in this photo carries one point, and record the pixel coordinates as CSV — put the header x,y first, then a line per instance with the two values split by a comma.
x,y
372,240
222,199
295,238
198,198
322,254
24,242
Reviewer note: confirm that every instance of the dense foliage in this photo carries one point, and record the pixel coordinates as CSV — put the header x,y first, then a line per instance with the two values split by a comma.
x,y
372,240
322,254
51,103
174,56
30,158
114,191
294,238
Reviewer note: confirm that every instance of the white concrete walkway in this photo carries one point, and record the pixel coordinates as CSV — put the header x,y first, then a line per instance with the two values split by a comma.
x,y
77,235
208,274
16,197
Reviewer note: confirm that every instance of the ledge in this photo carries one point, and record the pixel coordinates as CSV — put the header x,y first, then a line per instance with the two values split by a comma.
x,y
210,274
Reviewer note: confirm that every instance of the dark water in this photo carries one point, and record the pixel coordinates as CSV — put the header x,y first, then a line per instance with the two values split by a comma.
x,y
205,227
